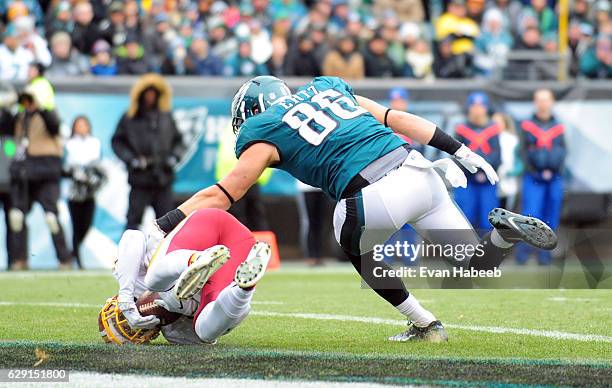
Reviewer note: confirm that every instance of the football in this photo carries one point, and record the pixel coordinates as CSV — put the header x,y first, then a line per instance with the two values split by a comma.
x,y
146,307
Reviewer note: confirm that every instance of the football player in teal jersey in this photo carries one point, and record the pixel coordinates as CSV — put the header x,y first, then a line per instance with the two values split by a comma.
x,y
346,145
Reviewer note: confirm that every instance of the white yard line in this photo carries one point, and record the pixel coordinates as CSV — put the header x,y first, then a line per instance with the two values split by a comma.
x,y
564,299
558,335
103,380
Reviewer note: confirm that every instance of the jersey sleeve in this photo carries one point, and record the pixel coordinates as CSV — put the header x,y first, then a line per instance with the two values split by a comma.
x,y
257,129
130,258
336,83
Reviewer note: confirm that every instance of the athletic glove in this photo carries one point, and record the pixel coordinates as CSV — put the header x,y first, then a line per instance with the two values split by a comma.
x,y
472,162
135,320
452,173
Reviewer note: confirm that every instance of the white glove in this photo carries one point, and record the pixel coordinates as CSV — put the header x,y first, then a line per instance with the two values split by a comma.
x,y
472,162
452,173
135,320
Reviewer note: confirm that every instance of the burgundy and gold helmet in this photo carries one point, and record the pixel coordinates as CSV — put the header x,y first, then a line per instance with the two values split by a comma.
x,y
114,328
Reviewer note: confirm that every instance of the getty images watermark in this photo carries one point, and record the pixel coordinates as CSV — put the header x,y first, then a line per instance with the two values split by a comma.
x,y
410,253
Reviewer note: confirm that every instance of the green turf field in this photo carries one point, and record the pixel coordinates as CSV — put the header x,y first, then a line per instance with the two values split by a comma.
x,y
319,324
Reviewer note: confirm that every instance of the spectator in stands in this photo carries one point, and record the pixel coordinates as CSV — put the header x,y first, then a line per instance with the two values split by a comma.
x,y
511,167
395,48
102,62
86,31
511,11
14,58
66,61
544,151
31,41
242,65
579,12
35,175
602,14
597,60
344,61
530,39
301,61
130,57
17,8
406,10
377,62
149,143
222,44
419,60
456,25
156,40
546,18
200,61
261,44
276,63
59,19
493,44
481,135
580,38
113,28
82,166
475,10
449,65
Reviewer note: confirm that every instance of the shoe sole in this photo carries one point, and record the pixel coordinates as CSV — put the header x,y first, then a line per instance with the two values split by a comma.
x,y
254,267
193,278
530,229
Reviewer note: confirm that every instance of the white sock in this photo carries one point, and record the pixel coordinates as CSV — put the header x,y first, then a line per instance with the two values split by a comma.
x,y
499,241
165,270
230,308
415,312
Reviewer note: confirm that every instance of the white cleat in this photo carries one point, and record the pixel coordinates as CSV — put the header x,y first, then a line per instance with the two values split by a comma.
x,y
254,267
200,270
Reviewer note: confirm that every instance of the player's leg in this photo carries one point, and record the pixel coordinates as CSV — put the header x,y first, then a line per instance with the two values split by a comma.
x,y
47,194
222,311
370,218
182,247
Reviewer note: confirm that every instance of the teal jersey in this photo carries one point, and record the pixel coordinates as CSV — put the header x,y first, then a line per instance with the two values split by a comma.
x,y
324,138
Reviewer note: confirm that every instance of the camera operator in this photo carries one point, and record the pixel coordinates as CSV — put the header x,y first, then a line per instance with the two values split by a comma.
x,y
35,175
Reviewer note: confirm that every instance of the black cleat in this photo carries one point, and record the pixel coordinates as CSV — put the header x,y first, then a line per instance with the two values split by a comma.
x,y
433,333
516,227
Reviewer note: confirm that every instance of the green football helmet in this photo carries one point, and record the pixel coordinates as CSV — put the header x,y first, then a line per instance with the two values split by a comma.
x,y
255,96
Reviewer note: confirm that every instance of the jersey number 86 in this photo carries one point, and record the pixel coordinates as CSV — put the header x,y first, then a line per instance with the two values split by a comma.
x,y
314,122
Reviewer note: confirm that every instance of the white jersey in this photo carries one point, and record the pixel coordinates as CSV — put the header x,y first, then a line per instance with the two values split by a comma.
x,y
14,64
130,271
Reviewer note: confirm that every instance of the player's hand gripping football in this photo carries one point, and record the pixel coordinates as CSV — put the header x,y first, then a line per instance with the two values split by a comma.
x,y
472,162
135,320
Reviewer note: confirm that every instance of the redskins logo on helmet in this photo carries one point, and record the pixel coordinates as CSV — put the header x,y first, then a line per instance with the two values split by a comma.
x,y
114,328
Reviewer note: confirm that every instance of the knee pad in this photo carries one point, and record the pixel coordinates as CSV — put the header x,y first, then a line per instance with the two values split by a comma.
x,y
51,220
16,218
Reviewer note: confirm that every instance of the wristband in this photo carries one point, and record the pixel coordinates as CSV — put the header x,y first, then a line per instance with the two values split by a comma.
x,y
444,142
387,114
170,220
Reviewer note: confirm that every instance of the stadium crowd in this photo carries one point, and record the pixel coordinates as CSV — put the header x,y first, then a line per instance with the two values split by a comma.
x,y
348,38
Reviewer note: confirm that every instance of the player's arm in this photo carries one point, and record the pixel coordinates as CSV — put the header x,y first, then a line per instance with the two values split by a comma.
x,y
413,126
130,256
250,166
426,132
